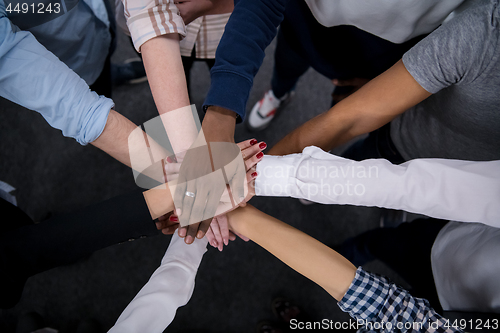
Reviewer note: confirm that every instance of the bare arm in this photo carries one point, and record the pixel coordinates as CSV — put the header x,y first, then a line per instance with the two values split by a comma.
x,y
301,252
128,144
114,138
374,105
162,60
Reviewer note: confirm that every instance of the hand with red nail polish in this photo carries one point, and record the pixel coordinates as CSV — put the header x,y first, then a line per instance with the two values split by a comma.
x,y
172,166
168,224
219,234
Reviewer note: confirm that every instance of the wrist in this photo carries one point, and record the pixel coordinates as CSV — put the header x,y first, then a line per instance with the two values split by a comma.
x,y
238,219
219,124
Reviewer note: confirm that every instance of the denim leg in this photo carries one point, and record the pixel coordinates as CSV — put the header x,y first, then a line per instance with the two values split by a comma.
x,y
378,144
363,149
406,249
288,66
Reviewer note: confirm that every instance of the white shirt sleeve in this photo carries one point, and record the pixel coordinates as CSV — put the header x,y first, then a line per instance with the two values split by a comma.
x,y
456,190
170,287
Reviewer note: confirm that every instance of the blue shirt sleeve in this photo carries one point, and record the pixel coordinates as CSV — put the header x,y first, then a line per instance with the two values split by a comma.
x,y
33,77
250,29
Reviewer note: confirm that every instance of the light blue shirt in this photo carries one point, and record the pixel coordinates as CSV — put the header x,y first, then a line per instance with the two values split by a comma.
x,y
32,76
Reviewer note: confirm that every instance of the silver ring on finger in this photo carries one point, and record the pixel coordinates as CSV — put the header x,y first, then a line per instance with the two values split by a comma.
x,y
190,194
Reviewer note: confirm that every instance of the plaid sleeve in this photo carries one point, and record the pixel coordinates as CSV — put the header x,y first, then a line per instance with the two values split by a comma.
x,y
382,306
147,19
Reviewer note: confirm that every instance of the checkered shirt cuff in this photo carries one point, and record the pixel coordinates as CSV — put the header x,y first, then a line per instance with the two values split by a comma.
x,y
373,298
366,296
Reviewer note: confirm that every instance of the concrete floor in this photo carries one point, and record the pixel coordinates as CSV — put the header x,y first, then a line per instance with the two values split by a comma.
x,y
234,288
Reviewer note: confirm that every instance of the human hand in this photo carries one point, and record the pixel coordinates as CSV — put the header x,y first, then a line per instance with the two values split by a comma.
x,y
218,129
251,152
167,223
190,10
172,165
219,234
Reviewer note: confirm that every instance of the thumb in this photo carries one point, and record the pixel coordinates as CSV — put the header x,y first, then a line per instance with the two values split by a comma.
x,y
238,183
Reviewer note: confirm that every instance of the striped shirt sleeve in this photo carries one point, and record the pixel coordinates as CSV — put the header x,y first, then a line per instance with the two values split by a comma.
x,y
147,19
205,32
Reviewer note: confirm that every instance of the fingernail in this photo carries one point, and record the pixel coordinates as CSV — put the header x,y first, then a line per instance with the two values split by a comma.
x,y
262,145
182,232
260,155
169,159
178,211
189,239
214,243
199,235
174,218
253,141
226,242
254,174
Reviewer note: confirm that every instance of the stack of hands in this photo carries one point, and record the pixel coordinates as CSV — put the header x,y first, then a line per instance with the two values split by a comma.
x,y
193,197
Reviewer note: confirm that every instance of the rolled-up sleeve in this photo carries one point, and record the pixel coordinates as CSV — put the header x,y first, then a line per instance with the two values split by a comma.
x,y
379,305
33,77
147,19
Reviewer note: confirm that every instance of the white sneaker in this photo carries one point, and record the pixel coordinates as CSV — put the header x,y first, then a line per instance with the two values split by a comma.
x,y
264,110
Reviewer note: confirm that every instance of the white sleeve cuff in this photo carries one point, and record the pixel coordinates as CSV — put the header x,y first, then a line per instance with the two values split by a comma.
x,y
276,175
190,255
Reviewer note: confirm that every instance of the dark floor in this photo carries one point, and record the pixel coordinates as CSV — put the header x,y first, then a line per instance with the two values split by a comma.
x,y
234,288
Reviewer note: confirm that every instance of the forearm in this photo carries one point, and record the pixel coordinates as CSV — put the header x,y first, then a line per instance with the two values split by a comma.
x,y
325,131
128,144
163,64
219,124
250,29
114,138
372,106
301,252
35,78
116,141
